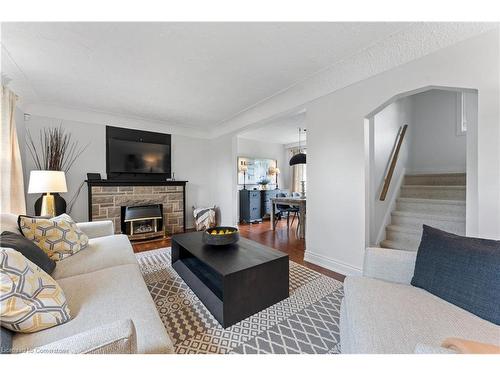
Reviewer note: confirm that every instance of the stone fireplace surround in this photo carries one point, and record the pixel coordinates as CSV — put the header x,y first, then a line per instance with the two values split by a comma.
x,y
106,197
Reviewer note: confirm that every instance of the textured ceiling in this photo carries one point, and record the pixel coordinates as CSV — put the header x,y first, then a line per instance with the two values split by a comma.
x,y
410,44
284,130
192,74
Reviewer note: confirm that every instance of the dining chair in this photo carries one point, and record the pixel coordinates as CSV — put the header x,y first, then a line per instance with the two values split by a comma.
x,y
286,208
296,194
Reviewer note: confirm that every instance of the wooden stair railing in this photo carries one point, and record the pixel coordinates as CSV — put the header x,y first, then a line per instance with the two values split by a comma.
x,y
388,177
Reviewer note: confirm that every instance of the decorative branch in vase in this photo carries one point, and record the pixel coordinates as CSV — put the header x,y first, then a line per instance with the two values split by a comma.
x,y
55,151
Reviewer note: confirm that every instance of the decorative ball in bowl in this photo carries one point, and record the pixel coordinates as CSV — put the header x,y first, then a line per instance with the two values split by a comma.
x,y
219,236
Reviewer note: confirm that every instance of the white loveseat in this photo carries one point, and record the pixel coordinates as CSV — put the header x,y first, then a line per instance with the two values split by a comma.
x,y
382,313
111,308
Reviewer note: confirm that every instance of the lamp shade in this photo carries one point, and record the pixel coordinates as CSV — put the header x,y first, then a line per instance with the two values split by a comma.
x,y
299,158
47,182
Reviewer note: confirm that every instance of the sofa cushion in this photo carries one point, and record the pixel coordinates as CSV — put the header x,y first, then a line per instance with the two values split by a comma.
x,y
103,297
8,222
115,338
31,300
100,228
427,349
385,317
29,249
59,236
461,270
5,340
101,252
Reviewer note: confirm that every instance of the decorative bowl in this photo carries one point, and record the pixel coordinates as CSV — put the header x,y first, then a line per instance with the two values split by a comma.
x,y
220,236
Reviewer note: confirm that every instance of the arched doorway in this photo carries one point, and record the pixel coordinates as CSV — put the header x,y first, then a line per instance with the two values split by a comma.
x,y
422,173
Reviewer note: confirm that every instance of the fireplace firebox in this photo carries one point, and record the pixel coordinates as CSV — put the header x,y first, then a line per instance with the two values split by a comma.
x,y
142,222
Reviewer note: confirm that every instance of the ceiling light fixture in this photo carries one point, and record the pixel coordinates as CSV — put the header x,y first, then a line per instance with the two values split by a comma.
x,y
300,157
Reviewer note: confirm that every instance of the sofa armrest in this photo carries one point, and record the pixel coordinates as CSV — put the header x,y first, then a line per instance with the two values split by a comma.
x,y
390,265
95,229
115,338
429,349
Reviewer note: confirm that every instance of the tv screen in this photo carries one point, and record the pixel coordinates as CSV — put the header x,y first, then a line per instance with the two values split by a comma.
x,y
135,152
138,157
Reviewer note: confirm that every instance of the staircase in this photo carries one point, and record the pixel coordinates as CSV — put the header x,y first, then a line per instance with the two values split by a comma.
x,y
437,200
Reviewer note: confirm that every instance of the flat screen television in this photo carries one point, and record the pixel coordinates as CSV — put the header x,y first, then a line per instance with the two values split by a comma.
x,y
136,154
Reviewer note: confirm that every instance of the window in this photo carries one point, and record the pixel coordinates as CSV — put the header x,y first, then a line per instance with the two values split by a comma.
x,y
461,113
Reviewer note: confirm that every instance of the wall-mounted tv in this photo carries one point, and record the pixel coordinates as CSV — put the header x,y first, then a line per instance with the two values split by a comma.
x,y
136,154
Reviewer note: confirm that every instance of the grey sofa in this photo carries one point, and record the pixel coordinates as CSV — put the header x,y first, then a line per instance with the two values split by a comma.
x,y
111,308
382,313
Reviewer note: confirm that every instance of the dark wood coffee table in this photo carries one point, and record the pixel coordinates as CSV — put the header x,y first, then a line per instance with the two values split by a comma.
x,y
234,281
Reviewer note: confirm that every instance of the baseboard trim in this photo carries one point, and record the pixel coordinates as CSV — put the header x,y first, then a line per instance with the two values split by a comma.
x,y
332,264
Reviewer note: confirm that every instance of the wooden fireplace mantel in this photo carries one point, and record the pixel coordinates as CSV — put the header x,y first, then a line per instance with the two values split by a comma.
x,y
134,183
105,198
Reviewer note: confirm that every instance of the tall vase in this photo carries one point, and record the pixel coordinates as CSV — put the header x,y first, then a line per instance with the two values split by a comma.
x,y
59,202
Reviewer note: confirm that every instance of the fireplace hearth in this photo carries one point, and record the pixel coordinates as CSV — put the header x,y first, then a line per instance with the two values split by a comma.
x,y
107,197
142,222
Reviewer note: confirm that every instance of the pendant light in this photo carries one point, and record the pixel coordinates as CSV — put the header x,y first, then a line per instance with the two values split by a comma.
x,y
299,158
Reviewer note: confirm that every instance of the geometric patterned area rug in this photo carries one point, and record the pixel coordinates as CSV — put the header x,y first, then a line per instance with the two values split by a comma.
x,y
306,322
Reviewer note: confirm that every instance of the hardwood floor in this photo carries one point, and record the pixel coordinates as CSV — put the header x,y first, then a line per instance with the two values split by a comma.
x,y
280,239
283,240
151,245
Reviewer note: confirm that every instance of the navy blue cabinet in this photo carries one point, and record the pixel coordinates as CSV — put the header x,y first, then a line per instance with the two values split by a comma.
x,y
250,209
256,204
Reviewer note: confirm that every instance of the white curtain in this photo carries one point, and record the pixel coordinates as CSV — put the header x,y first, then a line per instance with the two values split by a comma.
x,y
298,172
12,185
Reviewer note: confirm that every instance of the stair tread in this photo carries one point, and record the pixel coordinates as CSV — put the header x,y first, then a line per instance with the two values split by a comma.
x,y
432,201
436,175
434,198
412,231
452,218
388,244
439,187
404,229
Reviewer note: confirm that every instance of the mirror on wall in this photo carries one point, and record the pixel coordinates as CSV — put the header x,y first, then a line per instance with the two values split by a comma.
x,y
257,169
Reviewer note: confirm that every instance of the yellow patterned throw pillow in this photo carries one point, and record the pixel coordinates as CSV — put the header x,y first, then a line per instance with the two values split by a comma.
x,y
30,299
59,237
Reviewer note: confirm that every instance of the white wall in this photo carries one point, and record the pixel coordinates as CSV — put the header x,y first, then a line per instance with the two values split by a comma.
x,y
189,162
435,146
385,128
336,161
222,165
266,150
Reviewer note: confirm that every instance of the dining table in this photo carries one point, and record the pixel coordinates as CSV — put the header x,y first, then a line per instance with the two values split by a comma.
x,y
291,201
